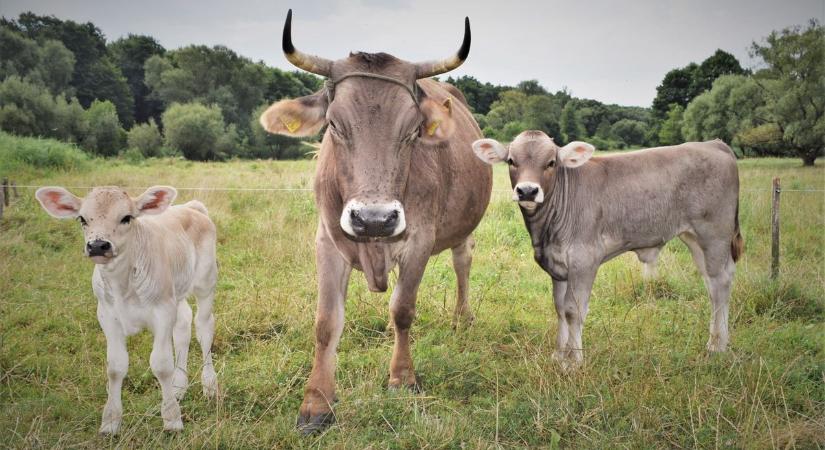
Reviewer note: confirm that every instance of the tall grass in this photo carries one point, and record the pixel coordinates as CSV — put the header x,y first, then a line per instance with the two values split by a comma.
x,y
647,381
18,153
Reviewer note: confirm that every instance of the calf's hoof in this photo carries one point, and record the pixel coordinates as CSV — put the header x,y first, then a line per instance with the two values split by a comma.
x,y
180,383
210,385
309,424
173,426
411,383
463,321
110,428
716,347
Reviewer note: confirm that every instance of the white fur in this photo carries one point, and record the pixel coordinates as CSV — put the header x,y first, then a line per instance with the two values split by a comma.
x,y
351,205
145,286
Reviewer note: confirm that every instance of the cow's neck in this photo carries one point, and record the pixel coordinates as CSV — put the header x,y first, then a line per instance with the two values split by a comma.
x,y
551,220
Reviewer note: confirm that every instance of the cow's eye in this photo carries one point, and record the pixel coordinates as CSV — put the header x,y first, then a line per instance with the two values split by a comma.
x,y
551,164
82,221
510,162
126,219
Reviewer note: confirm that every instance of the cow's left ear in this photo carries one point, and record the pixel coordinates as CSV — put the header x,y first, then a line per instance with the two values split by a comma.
x,y
438,124
575,153
156,199
304,116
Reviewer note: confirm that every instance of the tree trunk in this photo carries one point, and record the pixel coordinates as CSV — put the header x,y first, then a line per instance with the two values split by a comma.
x,y
809,156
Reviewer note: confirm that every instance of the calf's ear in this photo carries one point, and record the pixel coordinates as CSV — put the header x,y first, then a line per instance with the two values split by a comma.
x,y
575,153
59,202
438,124
299,117
155,200
490,151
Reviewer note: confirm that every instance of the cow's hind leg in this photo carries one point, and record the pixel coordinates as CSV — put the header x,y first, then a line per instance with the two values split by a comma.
x,y
715,263
462,260
649,257
402,310
333,271
181,336
204,290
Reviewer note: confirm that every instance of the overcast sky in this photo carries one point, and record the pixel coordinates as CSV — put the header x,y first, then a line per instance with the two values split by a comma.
x,y
612,51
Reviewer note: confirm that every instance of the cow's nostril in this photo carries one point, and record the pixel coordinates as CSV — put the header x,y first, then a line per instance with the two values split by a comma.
x,y
519,191
393,215
105,246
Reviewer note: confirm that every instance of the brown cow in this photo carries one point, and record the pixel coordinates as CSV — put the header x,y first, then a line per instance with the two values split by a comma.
x,y
391,187
583,210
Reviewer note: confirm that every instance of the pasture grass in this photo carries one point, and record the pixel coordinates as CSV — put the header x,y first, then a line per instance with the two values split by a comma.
x,y
647,381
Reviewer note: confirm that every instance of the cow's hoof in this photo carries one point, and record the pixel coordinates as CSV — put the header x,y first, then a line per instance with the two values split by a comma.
x,y
180,383
463,321
315,424
210,385
715,347
414,386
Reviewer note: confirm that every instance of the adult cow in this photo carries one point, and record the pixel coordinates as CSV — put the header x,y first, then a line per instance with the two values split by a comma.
x,y
582,211
392,186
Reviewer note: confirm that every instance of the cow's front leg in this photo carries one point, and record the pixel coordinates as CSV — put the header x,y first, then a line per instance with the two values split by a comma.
x,y
559,291
163,366
333,276
402,311
462,260
117,364
576,303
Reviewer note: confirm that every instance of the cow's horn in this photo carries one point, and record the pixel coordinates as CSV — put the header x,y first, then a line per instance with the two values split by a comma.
x,y
432,68
310,63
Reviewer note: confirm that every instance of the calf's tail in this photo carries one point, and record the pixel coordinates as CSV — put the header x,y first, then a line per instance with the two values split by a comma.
x,y
198,206
737,245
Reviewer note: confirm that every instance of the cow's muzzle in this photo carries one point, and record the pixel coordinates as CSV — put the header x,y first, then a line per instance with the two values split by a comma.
x,y
383,220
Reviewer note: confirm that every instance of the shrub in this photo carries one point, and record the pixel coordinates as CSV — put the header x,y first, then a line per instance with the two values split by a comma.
x,y
40,153
195,130
105,137
146,138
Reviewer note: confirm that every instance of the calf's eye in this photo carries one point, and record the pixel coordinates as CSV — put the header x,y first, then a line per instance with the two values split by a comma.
x,y
551,164
126,219
510,162
82,220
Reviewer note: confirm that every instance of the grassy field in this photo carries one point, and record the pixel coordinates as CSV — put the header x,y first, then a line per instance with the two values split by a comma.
x,y
647,381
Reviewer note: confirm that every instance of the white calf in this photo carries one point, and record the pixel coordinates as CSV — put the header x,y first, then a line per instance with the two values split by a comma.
x,y
147,264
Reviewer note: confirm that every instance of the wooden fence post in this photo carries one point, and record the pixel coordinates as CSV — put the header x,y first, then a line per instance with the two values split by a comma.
x,y
2,202
775,229
14,189
6,191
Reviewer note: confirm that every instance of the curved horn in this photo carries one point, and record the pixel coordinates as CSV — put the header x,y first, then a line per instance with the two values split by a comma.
x,y
310,63
432,68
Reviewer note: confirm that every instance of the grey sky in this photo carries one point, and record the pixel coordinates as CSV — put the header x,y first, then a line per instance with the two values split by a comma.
x,y
612,51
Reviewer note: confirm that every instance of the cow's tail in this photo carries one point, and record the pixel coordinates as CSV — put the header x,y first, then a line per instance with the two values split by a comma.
x,y
737,245
198,206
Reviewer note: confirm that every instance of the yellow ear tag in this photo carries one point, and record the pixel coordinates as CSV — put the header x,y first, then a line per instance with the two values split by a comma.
x,y
432,127
292,125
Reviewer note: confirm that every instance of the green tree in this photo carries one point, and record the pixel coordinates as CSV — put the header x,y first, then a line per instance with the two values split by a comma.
x,y
670,132
129,55
105,136
94,76
263,144
631,132
480,96
195,130
571,126
794,82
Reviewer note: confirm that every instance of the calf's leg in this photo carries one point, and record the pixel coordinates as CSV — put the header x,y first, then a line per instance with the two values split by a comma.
x,y
576,304
462,260
205,329
333,275
559,291
117,364
181,336
163,366
720,269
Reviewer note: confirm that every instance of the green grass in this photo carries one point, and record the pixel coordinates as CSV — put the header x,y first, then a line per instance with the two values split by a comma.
x,y
647,381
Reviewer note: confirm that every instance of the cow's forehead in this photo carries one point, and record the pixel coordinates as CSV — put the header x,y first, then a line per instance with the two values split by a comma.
x,y
104,200
532,143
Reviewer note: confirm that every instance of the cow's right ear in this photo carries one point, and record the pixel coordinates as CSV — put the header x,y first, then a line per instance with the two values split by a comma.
x,y
59,202
490,151
299,117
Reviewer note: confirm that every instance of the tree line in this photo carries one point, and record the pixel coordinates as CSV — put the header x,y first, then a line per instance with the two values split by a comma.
x,y
62,79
